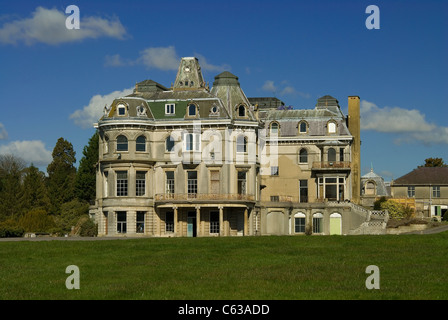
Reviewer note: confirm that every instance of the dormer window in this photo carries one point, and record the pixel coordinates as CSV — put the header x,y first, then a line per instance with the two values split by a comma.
x,y
331,127
214,110
170,108
241,111
274,128
121,109
303,127
192,110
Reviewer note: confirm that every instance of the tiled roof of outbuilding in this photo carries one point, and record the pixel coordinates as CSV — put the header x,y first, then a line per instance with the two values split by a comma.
x,y
425,175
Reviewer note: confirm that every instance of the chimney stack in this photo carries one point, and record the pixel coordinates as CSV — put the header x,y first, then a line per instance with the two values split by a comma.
x,y
354,126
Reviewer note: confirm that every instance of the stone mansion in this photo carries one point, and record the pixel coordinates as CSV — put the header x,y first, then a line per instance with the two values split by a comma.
x,y
195,161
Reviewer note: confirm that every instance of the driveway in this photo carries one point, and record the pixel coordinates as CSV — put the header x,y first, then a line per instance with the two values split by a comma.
x,y
430,230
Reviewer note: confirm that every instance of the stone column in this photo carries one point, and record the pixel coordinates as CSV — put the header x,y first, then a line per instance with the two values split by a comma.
x,y
175,222
131,222
198,220
246,226
221,221
131,181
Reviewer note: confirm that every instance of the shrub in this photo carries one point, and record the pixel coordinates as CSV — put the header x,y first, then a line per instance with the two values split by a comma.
x,y
10,228
37,220
377,203
89,228
396,210
71,212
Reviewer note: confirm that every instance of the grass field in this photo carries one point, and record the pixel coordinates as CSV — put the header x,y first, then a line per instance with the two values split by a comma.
x,y
300,267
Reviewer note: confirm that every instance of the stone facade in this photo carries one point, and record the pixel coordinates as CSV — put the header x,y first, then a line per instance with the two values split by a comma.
x,y
194,161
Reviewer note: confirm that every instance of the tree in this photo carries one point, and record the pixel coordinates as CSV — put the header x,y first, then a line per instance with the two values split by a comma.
x,y
71,212
35,194
85,184
61,175
11,173
37,220
434,162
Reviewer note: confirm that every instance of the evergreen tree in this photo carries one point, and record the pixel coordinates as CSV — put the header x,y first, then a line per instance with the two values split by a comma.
x,y
11,174
85,184
61,175
35,195
434,162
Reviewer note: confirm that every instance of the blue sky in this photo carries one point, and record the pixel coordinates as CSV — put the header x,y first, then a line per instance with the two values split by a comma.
x,y
54,82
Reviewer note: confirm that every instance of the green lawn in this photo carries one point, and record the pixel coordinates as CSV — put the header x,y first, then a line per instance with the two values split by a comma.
x,y
300,267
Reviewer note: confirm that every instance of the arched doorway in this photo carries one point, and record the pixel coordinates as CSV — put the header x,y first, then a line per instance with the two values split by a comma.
x,y
335,223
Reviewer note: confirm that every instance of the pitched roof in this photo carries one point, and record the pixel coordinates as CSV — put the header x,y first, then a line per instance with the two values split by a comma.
x,y
425,175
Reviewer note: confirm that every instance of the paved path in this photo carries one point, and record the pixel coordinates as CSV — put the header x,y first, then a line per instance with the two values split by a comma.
x,y
47,238
430,230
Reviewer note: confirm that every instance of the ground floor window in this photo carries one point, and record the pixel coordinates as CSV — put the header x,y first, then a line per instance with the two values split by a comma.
x,y
140,227
318,223
214,222
121,222
169,221
299,223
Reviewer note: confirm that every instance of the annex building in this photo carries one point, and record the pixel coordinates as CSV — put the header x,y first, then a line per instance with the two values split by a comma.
x,y
427,187
190,160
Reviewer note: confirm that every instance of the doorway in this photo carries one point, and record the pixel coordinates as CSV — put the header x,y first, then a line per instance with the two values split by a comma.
x,y
191,224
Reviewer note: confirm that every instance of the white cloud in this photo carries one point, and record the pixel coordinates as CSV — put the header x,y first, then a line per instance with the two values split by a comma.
x,y
48,26
3,133
91,113
269,86
32,151
163,58
211,67
410,125
115,61
288,90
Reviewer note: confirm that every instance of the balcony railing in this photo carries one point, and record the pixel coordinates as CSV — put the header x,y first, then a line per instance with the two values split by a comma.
x,y
331,165
203,197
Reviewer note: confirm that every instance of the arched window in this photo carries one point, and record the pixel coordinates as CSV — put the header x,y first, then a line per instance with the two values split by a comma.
x,y
192,110
318,223
331,126
299,222
241,111
331,154
303,127
274,128
370,188
140,144
122,143
241,143
169,144
303,156
121,109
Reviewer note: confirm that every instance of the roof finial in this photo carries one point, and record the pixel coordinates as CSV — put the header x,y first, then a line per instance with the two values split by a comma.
x,y
371,167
